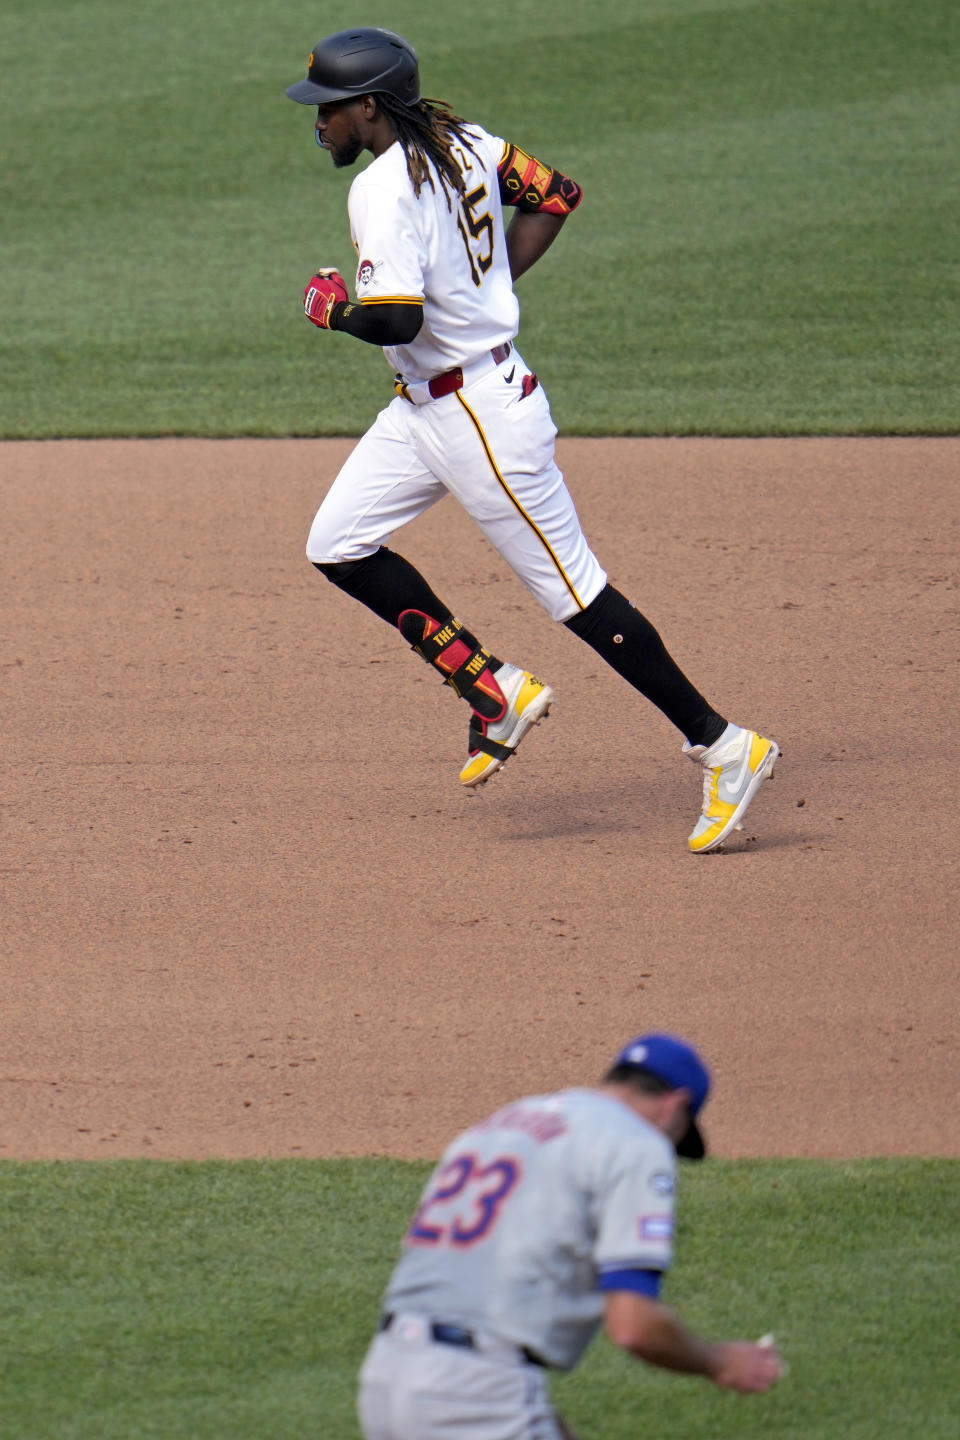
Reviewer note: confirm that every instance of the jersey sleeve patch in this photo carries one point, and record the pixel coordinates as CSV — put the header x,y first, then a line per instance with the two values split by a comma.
x,y
641,1282
366,280
656,1227
662,1182
532,186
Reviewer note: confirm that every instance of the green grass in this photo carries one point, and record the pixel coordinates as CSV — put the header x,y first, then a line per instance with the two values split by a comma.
x,y
767,243
144,1299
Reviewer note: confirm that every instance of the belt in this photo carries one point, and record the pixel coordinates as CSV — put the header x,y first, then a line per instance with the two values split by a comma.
x,y
419,391
445,1334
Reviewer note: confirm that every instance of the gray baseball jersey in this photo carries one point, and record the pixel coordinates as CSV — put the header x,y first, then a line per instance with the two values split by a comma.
x,y
530,1213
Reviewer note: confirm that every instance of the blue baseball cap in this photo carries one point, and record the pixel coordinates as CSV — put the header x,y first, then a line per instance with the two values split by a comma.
x,y
678,1065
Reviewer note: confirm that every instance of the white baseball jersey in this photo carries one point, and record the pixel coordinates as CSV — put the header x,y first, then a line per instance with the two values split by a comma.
x,y
528,1211
490,444
414,249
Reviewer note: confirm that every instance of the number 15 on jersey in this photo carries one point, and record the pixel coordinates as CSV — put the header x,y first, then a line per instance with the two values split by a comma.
x,y
480,227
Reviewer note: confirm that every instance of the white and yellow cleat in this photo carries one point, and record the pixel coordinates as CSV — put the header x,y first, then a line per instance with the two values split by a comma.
x,y
734,767
492,742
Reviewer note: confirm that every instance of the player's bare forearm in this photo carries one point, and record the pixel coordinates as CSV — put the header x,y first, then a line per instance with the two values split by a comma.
x,y
529,236
653,1333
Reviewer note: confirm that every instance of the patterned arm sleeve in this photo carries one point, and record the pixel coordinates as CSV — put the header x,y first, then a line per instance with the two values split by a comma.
x,y
532,186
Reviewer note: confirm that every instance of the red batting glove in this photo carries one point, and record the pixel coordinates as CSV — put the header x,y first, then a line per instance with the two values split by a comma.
x,y
323,292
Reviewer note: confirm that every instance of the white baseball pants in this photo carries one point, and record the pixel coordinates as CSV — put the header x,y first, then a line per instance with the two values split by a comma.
x,y
490,446
412,1388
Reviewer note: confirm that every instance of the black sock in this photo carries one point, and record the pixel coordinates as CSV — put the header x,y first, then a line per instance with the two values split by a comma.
x,y
629,643
387,584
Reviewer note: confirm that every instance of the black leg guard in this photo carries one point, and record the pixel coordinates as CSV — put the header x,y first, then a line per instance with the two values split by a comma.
x,y
629,643
393,589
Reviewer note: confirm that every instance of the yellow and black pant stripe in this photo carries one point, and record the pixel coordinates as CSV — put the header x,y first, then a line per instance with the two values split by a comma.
x,y
516,503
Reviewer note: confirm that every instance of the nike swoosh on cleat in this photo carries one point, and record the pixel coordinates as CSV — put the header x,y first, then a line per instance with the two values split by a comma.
x,y
509,377
732,789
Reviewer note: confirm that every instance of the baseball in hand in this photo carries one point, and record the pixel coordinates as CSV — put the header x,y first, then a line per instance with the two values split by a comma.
x,y
768,1342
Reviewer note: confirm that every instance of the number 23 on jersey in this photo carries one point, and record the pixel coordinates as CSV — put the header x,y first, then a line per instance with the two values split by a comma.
x,y
465,1202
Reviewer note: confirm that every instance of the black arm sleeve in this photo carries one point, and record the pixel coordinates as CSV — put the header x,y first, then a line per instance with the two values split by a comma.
x,y
389,323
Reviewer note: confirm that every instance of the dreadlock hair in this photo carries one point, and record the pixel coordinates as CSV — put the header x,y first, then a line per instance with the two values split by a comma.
x,y
427,132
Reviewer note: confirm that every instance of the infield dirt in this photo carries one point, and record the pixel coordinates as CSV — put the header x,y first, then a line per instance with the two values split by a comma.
x,y
249,911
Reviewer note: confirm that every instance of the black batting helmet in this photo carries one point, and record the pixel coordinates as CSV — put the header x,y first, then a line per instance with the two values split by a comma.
x,y
359,62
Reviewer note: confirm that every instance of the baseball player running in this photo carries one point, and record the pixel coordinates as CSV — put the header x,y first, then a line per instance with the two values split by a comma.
x,y
434,286
544,1222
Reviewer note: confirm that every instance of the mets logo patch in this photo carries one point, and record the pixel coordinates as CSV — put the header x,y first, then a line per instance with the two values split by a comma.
x,y
662,1182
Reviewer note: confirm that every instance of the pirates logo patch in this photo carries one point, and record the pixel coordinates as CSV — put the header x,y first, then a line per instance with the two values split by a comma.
x,y
366,269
